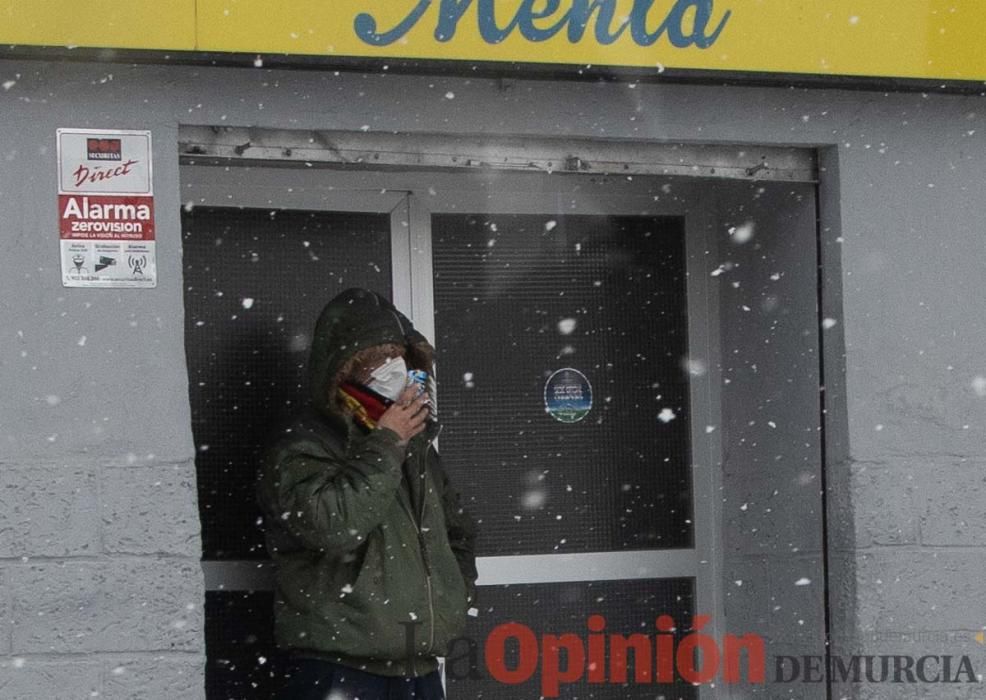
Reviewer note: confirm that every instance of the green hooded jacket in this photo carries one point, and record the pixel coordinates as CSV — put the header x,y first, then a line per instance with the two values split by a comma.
x,y
374,555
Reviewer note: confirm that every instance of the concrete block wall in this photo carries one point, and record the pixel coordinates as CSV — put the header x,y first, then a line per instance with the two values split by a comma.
x,y
906,414
101,588
101,583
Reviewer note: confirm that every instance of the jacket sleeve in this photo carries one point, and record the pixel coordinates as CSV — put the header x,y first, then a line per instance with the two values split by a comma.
x,y
332,504
462,533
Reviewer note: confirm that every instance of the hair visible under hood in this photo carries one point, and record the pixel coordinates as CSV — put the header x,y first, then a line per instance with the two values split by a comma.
x,y
357,327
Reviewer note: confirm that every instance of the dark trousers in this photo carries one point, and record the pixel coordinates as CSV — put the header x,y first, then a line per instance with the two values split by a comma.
x,y
314,679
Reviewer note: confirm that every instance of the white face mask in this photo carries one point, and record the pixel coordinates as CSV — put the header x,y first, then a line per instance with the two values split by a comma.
x,y
390,378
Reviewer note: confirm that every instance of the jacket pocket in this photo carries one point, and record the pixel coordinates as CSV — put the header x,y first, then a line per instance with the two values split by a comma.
x,y
358,566
389,594
449,587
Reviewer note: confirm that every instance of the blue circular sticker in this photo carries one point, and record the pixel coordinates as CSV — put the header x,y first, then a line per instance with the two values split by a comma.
x,y
567,395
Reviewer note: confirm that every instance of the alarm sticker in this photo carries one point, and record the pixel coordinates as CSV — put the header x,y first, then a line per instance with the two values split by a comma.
x,y
106,208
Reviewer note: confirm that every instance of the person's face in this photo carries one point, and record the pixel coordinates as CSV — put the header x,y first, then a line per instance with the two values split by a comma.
x,y
364,371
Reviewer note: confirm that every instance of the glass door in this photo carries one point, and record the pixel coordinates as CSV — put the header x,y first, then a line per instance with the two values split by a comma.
x,y
263,251
602,416
572,345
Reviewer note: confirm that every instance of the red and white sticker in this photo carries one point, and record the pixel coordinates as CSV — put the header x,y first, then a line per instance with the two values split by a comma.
x,y
106,208
104,162
108,263
104,217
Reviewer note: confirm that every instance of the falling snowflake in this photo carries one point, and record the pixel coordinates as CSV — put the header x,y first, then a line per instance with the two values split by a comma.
x,y
979,385
742,233
695,366
534,498
566,326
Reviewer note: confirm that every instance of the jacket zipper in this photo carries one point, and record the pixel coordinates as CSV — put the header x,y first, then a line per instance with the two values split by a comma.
x,y
424,558
424,561
417,526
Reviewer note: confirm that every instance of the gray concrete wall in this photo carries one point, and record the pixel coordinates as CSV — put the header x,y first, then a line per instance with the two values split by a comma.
x,y
772,532
98,523
99,528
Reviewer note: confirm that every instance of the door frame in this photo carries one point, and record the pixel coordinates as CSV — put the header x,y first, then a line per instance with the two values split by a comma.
x,y
411,197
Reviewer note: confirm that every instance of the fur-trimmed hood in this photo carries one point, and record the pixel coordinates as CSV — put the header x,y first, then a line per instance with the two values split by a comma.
x,y
350,330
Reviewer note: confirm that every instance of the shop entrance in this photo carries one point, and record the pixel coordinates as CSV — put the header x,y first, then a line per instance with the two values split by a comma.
x,y
598,405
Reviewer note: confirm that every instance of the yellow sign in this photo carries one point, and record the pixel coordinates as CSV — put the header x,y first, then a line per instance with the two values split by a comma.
x,y
939,39
119,24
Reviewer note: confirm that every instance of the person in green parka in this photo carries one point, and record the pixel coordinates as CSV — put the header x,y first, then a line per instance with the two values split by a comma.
x,y
374,554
